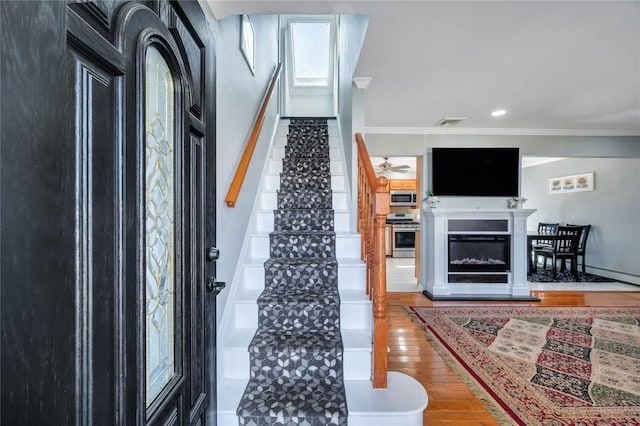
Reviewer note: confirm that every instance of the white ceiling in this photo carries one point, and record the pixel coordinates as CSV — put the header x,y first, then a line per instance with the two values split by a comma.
x,y
572,66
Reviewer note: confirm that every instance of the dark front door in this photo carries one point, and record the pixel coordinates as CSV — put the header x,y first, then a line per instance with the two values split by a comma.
x,y
112,186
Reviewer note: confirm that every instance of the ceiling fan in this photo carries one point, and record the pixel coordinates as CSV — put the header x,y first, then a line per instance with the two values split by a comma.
x,y
386,167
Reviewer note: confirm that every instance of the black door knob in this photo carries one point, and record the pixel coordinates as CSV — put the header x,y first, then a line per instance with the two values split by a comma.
x,y
213,254
214,286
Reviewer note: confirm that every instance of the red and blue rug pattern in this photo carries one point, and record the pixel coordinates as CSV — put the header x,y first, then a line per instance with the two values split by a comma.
x,y
542,365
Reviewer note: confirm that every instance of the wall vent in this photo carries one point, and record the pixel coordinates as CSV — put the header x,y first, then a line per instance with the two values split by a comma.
x,y
450,121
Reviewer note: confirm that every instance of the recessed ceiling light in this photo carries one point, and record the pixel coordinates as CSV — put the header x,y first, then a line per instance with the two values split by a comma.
x,y
498,112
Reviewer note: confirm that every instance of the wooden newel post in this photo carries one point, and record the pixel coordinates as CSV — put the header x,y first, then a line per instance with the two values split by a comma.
x,y
380,321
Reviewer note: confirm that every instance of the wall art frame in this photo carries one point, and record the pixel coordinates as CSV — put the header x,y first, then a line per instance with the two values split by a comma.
x,y
573,183
248,42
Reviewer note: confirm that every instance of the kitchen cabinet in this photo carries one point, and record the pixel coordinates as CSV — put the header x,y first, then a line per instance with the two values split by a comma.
x,y
395,184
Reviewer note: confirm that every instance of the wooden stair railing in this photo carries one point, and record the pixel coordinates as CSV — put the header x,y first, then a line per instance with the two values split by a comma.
x,y
373,207
245,160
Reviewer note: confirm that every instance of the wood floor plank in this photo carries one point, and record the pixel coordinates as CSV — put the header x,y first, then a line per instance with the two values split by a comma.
x,y
450,401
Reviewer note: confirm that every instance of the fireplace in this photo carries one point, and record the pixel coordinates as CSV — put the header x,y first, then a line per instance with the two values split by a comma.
x,y
479,253
456,234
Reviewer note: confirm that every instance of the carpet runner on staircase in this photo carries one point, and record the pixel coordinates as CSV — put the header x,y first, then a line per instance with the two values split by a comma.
x,y
296,355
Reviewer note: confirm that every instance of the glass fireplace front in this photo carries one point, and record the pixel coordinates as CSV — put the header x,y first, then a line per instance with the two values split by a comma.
x,y
479,253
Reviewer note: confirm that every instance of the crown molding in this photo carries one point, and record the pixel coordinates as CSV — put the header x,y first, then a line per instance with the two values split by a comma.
x,y
498,131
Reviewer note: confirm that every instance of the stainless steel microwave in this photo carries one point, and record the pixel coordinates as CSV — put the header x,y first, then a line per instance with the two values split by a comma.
x,y
403,198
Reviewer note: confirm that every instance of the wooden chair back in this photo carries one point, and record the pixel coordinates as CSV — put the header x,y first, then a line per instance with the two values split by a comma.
x,y
546,229
584,234
568,244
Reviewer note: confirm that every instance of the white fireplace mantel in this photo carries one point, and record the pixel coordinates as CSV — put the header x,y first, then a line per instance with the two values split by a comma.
x,y
435,261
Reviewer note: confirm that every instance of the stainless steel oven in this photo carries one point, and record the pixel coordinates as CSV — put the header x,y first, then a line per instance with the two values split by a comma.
x,y
402,198
403,234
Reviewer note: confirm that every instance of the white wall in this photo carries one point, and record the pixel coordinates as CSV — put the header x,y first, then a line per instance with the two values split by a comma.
x,y
380,144
613,210
238,98
352,32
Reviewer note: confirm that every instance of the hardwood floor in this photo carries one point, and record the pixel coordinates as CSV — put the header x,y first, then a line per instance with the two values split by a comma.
x,y
450,402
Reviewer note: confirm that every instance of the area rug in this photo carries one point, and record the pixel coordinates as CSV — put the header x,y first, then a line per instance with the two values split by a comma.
x,y
543,365
545,276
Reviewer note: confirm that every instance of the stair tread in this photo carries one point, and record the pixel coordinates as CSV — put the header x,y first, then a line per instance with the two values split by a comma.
x,y
250,295
404,395
305,261
310,231
301,210
352,339
283,398
346,262
289,296
313,341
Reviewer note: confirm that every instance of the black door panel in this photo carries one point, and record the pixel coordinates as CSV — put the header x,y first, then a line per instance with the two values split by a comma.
x,y
73,281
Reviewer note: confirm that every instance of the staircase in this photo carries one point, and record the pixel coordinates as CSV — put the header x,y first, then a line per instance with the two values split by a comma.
x,y
297,349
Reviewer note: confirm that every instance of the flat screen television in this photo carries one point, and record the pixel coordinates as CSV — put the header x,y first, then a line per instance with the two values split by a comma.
x,y
475,172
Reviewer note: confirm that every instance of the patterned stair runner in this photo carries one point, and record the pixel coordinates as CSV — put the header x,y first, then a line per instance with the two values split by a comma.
x,y
296,374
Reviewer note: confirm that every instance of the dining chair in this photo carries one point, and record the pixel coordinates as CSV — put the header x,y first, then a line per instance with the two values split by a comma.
x,y
582,242
544,229
565,247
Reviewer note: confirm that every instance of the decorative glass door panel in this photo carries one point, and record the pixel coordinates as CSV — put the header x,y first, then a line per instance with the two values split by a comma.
x,y
159,236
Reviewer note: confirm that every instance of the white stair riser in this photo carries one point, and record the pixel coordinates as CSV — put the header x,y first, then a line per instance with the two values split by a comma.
x,y
269,200
340,200
272,182
373,418
236,363
341,221
337,183
355,315
352,315
280,141
253,276
264,222
348,246
350,277
357,364
277,153
259,246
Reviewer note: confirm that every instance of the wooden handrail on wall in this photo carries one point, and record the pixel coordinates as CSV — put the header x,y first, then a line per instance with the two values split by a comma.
x,y
373,207
243,166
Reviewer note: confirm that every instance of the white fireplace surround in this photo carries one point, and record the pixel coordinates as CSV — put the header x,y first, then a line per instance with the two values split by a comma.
x,y
435,260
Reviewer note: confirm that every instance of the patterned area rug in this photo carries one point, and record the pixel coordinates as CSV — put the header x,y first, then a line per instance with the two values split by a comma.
x,y
545,276
543,366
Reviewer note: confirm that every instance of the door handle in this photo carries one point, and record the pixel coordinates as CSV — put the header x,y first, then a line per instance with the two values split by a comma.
x,y
213,254
214,286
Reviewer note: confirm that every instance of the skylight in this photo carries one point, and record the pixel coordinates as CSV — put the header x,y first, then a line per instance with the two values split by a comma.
x,y
311,53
